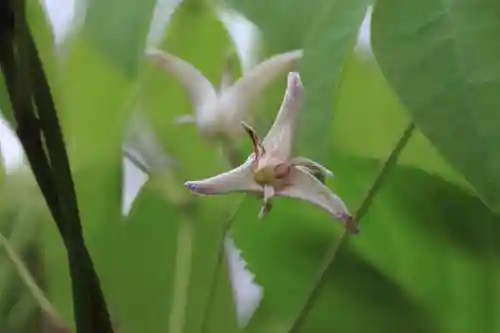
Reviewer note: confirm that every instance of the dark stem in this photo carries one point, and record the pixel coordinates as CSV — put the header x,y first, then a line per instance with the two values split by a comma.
x,y
361,212
41,136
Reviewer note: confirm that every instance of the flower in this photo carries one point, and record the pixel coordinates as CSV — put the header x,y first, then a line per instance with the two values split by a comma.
x,y
218,113
271,170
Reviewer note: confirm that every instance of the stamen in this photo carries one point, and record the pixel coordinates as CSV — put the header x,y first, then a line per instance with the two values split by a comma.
x,y
258,149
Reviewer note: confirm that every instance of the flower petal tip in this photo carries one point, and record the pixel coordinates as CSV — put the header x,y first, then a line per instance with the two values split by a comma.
x,y
294,83
193,187
297,53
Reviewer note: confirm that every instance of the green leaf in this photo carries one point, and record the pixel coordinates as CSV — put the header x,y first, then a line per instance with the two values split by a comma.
x,y
221,312
96,96
330,41
284,23
143,256
144,298
418,228
365,94
120,30
5,106
441,57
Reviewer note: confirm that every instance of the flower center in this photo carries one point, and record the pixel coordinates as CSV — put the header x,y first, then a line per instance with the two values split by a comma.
x,y
272,175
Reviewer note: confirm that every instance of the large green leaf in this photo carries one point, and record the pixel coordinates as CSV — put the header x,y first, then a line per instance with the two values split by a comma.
x,y
120,30
330,41
141,251
284,23
94,104
150,249
442,58
425,257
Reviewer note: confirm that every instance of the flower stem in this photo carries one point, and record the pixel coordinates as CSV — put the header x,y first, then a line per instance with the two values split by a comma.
x,y
361,212
182,274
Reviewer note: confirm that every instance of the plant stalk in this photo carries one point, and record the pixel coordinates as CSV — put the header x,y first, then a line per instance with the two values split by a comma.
x,y
361,212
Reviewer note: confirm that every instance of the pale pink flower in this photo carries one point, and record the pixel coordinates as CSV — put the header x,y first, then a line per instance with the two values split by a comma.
x,y
271,170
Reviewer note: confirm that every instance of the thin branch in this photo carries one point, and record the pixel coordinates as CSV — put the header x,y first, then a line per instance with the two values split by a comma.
x,y
45,305
183,263
361,212
135,161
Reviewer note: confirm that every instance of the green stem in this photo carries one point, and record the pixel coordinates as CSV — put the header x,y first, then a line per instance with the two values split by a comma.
x,y
361,212
35,291
182,276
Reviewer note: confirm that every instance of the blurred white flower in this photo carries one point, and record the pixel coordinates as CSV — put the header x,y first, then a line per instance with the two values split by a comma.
x,y
143,155
271,170
61,15
246,36
163,12
247,293
363,44
11,149
218,113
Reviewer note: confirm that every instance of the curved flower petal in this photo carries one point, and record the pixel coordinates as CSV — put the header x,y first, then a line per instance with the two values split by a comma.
x,y
312,166
199,88
279,139
305,186
185,119
248,87
239,179
247,293
227,74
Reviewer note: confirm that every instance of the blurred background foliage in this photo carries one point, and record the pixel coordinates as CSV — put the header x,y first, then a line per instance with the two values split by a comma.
x,y
425,260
